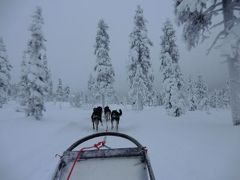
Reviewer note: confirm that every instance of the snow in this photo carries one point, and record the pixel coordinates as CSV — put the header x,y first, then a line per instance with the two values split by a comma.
x,y
192,5
195,146
114,168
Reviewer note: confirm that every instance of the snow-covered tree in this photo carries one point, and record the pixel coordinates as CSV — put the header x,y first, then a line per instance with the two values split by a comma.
x,y
24,89
77,99
174,103
226,96
191,94
91,89
171,76
201,93
219,98
159,98
14,91
213,98
140,60
36,76
48,78
5,76
198,18
138,89
66,93
104,73
59,91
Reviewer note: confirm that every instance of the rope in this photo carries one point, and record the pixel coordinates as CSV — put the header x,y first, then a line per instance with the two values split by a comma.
x,y
97,146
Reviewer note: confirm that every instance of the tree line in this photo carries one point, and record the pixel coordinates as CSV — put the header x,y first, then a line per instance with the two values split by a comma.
x,y
177,95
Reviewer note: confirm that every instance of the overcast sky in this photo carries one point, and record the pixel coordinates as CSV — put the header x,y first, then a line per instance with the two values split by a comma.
x,y
70,30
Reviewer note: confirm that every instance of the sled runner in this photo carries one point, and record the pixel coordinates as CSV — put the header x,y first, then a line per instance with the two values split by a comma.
x,y
104,163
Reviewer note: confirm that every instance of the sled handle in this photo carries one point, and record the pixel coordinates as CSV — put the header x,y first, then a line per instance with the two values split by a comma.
x,y
77,143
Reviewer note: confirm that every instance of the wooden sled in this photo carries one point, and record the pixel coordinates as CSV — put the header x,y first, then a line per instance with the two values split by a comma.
x,y
104,163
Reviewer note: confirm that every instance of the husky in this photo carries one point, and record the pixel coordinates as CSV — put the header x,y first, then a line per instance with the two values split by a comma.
x,y
107,115
115,116
96,117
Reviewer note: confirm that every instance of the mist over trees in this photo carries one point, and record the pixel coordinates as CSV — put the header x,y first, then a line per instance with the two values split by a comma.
x,y
175,93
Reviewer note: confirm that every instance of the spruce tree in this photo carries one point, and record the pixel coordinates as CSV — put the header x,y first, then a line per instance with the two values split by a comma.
x,y
59,91
48,79
66,93
138,89
104,72
213,99
5,76
24,82
191,89
140,61
36,75
202,94
76,99
226,96
171,76
91,89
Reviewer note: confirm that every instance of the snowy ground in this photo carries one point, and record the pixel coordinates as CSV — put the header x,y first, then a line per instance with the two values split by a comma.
x,y
196,146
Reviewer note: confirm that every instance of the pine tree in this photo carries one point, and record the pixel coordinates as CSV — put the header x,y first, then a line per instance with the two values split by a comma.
x,y
171,76
24,82
5,76
201,94
226,96
191,89
14,91
76,99
213,99
103,70
139,89
59,91
66,93
36,73
221,97
159,98
197,18
140,60
91,89
48,79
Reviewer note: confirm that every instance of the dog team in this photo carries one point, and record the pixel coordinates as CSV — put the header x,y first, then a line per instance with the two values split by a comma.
x,y
113,116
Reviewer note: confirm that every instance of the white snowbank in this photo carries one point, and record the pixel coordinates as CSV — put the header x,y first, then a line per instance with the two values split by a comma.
x,y
196,146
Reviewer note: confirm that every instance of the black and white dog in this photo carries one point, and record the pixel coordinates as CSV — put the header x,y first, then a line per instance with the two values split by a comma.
x,y
107,115
115,116
96,117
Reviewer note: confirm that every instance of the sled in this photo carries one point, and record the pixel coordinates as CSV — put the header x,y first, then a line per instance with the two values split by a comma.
x,y
99,161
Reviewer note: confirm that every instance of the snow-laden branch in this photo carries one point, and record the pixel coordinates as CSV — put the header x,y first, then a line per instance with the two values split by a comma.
x,y
216,25
215,40
212,7
215,12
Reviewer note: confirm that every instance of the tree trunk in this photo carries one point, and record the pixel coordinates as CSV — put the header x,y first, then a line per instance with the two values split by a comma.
x,y
234,74
233,66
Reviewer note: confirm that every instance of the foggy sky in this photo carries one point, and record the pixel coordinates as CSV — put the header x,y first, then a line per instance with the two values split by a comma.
x,y
70,29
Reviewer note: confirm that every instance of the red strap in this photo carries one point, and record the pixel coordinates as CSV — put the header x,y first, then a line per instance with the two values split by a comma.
x,y
78,157
97,146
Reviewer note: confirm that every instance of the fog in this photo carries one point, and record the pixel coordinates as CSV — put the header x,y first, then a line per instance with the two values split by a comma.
x,y
70,29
